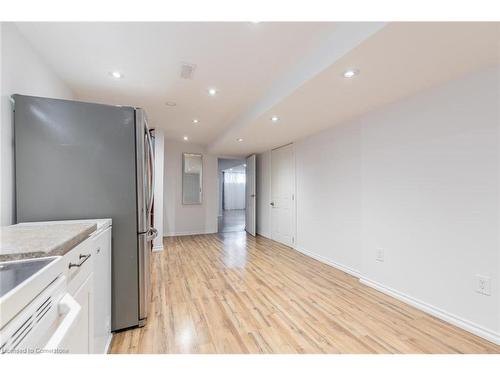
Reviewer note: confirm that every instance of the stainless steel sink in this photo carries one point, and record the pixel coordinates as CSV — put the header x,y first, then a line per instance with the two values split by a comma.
x,y
13,273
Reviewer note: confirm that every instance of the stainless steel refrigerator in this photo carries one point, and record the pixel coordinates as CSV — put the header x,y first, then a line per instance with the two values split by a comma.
x,y
76,160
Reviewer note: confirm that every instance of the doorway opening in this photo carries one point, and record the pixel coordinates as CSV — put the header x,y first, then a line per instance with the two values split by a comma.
x,y
232,185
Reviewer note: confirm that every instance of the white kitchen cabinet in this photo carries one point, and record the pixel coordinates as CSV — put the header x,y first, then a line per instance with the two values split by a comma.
x,y
79,273
80,340
87,280
98,246
77,305
102,290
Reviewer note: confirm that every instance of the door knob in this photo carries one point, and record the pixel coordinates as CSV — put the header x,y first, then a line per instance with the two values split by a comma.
x,y
272,204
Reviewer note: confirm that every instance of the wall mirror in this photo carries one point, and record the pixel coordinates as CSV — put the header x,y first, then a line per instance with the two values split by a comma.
x,y
192,181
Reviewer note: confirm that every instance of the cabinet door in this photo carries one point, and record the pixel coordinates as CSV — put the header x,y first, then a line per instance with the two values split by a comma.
x,y
102,291
79,341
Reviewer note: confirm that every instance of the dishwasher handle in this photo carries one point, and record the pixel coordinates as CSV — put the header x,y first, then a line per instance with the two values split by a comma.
x,y
72,309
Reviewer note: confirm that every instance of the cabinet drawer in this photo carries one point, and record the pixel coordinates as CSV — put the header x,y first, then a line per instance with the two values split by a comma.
x,y
78,263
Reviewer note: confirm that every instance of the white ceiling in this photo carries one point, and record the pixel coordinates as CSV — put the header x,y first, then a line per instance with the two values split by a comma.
x,y
240,59
395,62
293,70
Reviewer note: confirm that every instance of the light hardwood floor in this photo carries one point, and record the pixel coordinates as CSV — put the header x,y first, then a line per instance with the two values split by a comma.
x,y
232,293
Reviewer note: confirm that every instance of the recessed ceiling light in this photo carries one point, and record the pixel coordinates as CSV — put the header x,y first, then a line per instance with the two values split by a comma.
x,y
195,121
239,139
212,91
116,74
244,165
275,119
185,138
349,73
171,104
230,169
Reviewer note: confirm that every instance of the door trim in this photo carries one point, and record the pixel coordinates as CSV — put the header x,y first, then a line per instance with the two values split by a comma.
x,y
253,161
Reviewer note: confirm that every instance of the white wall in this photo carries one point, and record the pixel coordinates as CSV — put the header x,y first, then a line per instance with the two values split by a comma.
x,y
420,179
182,219
22,72
159,141
328,178
430,193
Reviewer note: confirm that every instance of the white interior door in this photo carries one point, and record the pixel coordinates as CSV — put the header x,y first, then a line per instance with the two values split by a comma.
x,y
283,195
250,190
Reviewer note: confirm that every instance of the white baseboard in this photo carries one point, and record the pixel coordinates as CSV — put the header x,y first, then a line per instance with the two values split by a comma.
x,y
346,269
267,235
466,325
188,233
471,327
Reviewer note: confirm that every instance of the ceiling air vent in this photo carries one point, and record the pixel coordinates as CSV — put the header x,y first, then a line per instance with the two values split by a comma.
x,y
187,70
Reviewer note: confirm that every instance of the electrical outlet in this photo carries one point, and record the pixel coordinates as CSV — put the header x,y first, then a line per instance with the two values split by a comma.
x,y
483,285
379,255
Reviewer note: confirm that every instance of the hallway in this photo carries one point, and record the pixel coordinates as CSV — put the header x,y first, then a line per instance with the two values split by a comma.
x,y
231,221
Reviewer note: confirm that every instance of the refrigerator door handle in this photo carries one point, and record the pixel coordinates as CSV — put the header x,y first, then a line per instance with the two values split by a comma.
x,y
142,177
152,161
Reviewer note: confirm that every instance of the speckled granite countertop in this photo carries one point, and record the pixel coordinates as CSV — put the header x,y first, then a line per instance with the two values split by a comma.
x,y
41,240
